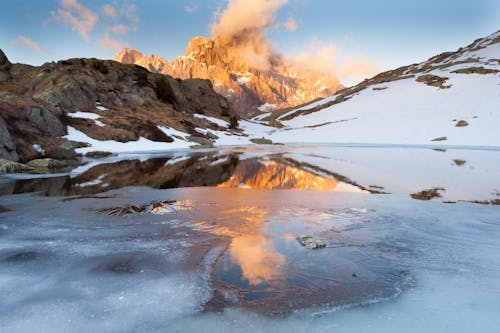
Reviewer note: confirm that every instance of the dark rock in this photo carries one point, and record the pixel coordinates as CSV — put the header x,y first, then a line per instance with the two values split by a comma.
x,y
45,120
64,151
98,154
476,70
459,162
261,141
434,80
3,59
428,194
7,145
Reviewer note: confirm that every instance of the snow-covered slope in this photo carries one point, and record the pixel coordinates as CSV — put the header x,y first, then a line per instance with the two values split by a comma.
x,y
453,98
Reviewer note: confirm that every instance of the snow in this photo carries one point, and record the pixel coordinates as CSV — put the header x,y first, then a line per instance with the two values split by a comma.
x,y
172,132
243,80
100,107
38,148
87,115
217,121
177,159
407,112
267,107
96,181
142,144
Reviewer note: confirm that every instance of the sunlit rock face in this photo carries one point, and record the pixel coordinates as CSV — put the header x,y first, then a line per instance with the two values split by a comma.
x,y
273,175
250,88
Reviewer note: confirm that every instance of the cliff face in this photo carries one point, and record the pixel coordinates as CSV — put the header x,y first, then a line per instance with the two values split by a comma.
x,y
102,102
249,90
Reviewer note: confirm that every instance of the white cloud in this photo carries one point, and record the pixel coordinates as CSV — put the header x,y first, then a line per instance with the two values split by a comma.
x,y
78,16
27,42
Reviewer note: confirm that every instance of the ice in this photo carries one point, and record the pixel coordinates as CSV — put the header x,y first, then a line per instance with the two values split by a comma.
x,y
66,265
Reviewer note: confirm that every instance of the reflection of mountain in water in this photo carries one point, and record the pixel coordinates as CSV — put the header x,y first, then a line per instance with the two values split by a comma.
x,y
190,171
272,175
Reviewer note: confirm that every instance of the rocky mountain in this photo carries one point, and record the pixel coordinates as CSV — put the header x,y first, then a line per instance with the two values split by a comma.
x,y
49,111
250,90
452,98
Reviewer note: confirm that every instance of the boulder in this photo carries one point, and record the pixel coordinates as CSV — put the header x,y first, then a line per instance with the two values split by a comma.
x,y
98,154
262,141
65,151
45,120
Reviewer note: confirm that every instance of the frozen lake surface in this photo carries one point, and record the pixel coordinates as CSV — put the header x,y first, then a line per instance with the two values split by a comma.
x,y
206,241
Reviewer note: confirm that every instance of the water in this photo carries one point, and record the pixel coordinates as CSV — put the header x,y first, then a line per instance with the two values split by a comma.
x,y
207,242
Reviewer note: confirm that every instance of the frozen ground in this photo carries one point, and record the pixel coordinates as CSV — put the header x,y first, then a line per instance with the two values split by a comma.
x,y
224,257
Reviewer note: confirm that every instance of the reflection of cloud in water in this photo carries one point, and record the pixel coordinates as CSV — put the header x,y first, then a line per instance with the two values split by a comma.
x,y
250,248
271,175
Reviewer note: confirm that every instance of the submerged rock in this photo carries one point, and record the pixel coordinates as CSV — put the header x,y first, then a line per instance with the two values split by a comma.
x,y
309,242
48,163
98,154
262,141
7,166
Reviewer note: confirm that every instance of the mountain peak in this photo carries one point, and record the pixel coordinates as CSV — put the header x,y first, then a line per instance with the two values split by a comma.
x,y
249,88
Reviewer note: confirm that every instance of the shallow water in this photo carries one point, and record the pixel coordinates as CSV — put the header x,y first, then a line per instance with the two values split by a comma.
x,y
207,241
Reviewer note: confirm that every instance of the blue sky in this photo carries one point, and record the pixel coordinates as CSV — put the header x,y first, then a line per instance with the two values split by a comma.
x,y
391,33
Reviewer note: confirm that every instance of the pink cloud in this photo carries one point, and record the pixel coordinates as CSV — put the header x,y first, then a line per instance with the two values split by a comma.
x,y
79,17
290,24
110,44
27,42
109,11
120,29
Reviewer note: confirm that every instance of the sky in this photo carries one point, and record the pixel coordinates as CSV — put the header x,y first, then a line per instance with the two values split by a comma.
x,y
386,34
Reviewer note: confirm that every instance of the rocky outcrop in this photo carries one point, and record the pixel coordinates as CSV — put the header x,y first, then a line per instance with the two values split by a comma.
x,y
38,104
7,145
249,90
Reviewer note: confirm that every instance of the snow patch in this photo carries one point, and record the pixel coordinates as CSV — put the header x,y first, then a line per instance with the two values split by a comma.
x,y
87,115
267,107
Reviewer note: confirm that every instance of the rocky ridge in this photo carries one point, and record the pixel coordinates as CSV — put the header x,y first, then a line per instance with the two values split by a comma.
x,y
104,101
465,60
